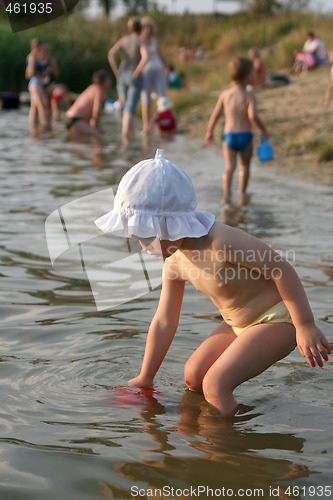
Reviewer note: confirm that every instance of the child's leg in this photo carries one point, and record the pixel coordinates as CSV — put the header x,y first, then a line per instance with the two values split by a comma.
x,y
206,355
244,165
230,159
127,127
146,114
37,98
255,350
146,102
33,115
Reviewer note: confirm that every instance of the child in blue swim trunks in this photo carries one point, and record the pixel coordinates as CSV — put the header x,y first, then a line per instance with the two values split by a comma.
x,y
239,108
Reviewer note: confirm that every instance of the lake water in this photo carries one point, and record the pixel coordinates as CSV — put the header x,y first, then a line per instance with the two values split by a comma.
x,y
69,429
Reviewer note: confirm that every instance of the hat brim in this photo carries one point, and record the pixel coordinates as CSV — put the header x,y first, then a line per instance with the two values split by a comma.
x,y
171,227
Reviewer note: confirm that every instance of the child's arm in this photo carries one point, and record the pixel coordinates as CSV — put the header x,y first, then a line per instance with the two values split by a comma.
x,y
97,108
30,69
162,328
310,340
113,52
143,61
253,116
218,110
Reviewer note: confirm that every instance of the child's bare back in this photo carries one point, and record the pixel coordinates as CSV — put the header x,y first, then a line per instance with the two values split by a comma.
x,y
238,107
83,106
222,266
84,114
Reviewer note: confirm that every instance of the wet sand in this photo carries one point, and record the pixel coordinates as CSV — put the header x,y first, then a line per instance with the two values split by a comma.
x,y
295,116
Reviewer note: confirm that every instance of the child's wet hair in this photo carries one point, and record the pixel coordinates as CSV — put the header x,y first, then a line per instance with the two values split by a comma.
x,y
239,68
100,76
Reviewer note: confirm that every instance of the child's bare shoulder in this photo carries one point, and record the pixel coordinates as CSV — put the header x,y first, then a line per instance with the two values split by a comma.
x,y
172,267
222,236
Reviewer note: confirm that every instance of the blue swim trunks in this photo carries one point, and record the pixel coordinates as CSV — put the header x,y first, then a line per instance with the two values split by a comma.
x,y
238,140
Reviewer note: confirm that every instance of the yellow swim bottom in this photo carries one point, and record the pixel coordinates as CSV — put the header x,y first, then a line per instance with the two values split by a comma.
x,y
276,314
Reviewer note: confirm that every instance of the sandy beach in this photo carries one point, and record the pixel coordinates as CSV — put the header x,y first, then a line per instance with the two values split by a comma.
x,y
295,116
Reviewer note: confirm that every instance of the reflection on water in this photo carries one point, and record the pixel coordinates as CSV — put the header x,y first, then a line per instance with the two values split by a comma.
x,y
222,451
68,426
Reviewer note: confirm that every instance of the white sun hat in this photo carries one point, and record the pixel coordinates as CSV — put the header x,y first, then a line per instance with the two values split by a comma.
x,y
156,198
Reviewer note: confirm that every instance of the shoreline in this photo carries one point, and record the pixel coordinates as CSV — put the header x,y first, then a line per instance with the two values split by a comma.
x,y
296,118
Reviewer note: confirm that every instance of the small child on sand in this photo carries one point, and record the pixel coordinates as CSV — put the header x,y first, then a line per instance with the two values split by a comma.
x,y
240,111
330,86
84,114
259,295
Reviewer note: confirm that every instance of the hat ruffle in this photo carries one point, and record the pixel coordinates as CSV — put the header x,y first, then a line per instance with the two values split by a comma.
x,y
165,227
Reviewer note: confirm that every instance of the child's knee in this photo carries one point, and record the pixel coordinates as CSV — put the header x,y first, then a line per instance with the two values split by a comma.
x,y
209,388
214,388
192,377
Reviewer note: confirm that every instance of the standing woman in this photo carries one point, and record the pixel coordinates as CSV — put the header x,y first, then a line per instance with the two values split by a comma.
x,y
152,68
41,71
48,68
128,87
38,110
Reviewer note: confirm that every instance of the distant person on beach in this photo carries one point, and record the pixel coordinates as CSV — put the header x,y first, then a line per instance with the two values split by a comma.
x,y
261,76
128,87
329,90
262,302
316,46
152,69
173,78
313,54
83,116
240,111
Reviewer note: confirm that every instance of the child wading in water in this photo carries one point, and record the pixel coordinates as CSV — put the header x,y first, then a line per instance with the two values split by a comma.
x,y
240,112
258,294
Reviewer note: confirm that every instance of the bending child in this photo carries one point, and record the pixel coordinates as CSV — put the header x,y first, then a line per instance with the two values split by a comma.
x,y
239,108
84,114
259,295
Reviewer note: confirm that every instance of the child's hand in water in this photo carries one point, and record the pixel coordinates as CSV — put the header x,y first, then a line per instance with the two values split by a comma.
x,y
312,344
140,381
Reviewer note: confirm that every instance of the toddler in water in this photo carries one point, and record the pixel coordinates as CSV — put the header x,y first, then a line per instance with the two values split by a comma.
x,y
165,118
240,111
258,294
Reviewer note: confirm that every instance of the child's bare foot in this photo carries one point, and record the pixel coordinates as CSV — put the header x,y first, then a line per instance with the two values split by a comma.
x,y
244,199
226,200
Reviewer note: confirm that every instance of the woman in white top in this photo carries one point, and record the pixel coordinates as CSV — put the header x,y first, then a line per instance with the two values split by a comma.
x,y
315,46
152,68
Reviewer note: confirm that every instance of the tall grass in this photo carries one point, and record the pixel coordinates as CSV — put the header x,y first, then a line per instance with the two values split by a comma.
x,y
80,46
